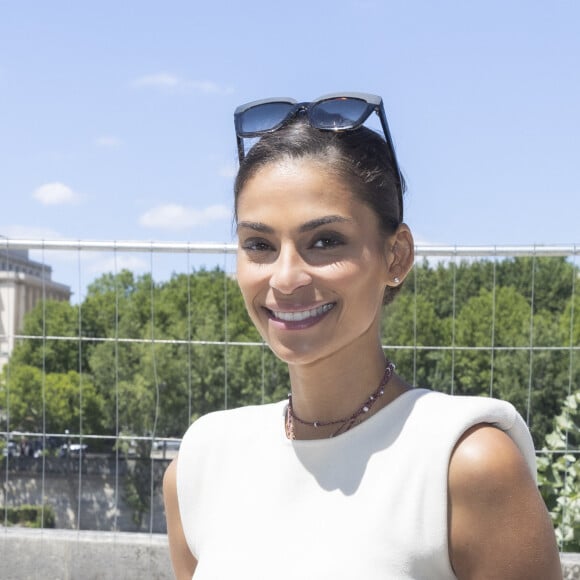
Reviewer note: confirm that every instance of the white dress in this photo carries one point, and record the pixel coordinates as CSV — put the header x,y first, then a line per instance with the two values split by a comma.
x,y
369,504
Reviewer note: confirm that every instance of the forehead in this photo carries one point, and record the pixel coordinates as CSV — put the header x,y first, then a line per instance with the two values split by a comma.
x,y
297,186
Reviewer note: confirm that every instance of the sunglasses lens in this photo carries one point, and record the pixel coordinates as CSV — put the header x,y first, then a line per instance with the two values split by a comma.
x,y
340,113
263,118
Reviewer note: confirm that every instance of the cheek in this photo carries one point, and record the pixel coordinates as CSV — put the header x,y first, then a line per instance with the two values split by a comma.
x,y
365,295
366,275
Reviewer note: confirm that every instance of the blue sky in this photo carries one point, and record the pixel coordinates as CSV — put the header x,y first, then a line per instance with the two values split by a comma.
x,y
116,118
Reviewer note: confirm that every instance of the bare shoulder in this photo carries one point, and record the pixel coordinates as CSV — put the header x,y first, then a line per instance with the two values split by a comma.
x,y
498,524
482,452
183,561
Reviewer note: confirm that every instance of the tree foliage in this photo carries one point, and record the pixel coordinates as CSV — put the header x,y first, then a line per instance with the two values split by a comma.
x,y
138,357
52,402
146,358
503,328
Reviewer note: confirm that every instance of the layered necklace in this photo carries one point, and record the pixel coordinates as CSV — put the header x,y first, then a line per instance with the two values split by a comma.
x,y
345,423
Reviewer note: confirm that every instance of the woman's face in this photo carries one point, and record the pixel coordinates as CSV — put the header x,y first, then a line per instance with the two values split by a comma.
x,y
312,262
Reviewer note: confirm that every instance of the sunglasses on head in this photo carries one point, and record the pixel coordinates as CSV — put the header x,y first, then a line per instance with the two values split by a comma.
x,y
335,112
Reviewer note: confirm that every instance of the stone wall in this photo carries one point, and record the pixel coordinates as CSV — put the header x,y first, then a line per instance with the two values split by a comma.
x,y
86,494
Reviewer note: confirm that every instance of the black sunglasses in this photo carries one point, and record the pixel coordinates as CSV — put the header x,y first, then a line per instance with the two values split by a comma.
x,y
334,112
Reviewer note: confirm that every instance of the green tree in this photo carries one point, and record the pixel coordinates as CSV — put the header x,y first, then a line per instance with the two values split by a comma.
x,y
50,402
162,354
55,346
507,363
410,323
183,363
548,281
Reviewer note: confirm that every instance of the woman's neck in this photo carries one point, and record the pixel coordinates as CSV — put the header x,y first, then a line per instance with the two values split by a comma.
x,y
334,388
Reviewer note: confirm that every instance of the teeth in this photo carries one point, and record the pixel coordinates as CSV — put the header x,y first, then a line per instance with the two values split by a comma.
x,y
303,315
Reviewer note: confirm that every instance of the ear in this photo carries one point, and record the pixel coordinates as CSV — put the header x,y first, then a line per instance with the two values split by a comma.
x,y
400,255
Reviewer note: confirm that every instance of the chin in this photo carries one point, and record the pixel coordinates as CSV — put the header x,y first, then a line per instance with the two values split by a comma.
x,y
299,353
293,355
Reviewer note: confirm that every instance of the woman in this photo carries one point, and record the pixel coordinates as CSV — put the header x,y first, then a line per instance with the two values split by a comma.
x,y
358,474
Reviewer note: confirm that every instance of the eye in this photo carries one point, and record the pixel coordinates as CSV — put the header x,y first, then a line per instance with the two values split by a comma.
x,y
328,241
256,245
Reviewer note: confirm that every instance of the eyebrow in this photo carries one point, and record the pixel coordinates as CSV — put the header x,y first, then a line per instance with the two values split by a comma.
x,y
305,227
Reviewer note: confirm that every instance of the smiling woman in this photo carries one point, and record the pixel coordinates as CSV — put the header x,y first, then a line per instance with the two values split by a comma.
x,y
358,473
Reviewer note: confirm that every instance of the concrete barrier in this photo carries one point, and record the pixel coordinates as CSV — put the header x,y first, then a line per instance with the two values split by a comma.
x,y
27,554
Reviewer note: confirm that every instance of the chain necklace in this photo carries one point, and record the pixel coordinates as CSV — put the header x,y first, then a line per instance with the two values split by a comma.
x,y
347,422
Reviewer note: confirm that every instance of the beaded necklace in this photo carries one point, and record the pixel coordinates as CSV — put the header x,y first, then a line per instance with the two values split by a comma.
x,y
346,423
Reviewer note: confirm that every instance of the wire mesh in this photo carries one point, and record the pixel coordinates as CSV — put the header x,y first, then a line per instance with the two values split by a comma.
x,y
150,352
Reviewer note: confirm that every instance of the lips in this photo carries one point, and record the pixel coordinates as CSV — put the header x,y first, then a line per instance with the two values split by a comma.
x,y
301,315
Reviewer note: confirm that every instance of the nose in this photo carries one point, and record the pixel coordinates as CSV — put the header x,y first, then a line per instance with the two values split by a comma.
x,y
289,271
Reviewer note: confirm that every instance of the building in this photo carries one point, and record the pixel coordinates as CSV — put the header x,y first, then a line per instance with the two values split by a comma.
x,y
23,283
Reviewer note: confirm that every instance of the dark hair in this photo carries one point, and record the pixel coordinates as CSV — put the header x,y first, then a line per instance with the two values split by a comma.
x,y
362,157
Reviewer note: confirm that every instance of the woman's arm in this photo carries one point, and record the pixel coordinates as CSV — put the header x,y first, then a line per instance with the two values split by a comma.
x,y
498,524
182,559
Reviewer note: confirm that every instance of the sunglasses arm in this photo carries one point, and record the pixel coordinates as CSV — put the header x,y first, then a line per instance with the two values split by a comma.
x,y
241,152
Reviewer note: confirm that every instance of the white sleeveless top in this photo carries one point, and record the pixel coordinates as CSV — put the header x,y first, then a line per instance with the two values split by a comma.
x,y
370,503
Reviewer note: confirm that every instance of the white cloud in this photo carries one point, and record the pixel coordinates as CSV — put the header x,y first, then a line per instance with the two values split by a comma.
x,y
178,217
173,83
108,141
160,80
55,194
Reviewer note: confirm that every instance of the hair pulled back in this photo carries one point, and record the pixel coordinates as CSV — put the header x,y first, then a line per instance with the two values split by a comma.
x,y
361,157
